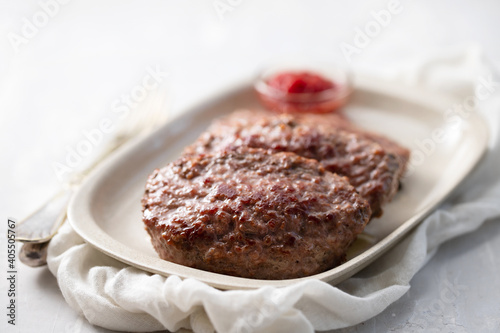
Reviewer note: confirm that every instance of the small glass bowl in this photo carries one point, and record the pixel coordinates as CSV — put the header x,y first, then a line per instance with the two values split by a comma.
x,y
324,101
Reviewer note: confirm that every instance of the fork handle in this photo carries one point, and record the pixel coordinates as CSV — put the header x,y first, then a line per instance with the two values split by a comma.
x,y
34,254
43,224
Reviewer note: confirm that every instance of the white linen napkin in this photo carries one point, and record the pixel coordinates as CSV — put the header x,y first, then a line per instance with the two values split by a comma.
x,y
118,297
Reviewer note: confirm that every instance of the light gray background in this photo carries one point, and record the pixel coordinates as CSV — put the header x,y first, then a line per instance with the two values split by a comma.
x,y
66,77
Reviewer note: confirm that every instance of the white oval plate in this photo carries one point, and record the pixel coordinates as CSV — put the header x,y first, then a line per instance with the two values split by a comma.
x,y
106,210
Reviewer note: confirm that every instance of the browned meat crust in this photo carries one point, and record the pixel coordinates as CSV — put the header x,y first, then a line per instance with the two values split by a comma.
x,y
372,163
250,213
340,122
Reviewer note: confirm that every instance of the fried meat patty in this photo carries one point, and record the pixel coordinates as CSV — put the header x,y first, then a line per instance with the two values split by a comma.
x,y
372,163
252,213
338,121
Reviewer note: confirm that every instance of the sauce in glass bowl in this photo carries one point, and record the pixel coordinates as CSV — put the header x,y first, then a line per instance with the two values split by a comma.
x,y
301,90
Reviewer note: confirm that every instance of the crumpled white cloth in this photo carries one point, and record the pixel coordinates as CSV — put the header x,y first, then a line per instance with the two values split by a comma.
x,y
115,296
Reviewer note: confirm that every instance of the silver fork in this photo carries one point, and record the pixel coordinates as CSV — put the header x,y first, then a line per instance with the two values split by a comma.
x,y
37,229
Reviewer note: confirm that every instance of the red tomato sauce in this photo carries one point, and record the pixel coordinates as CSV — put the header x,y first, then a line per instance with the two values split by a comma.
x,y
301,91
299,82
